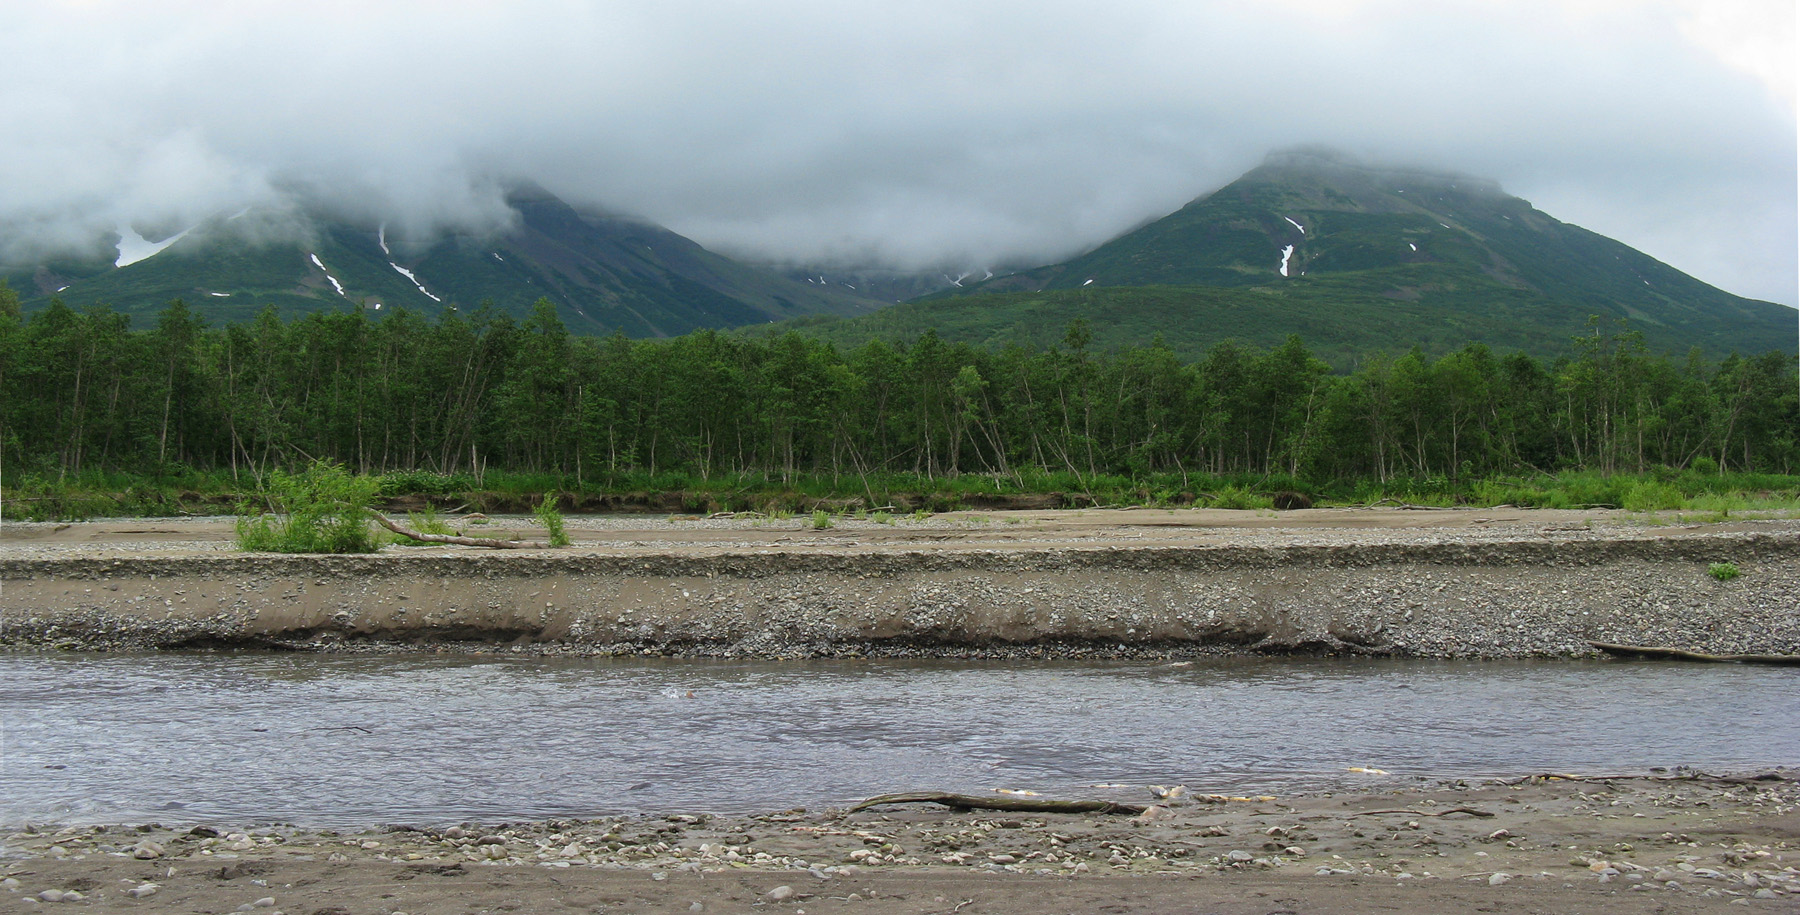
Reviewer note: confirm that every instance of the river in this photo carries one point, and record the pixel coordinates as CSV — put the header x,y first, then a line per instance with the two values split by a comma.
x,y
326,740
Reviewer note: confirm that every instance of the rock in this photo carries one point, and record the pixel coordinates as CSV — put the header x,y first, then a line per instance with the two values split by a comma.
x,y
142,890
1295,851
50,896
779,894
1239,857
1003,859
147,851
1498,879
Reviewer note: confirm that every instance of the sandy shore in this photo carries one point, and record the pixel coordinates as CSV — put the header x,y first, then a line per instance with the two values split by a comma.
x,y
1672,845
1139,583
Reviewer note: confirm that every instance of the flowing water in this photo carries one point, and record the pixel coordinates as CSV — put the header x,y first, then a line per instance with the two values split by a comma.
x,y
323,740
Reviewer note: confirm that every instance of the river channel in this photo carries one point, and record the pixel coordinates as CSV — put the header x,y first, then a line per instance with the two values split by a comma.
x,y
349,740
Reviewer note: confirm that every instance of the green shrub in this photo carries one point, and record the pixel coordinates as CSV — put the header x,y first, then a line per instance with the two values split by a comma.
x,y
821,520
552,520
323,509
1649,496
1237,497
1723,571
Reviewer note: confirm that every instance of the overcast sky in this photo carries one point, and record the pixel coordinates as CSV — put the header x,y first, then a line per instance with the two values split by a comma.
x,y
912,134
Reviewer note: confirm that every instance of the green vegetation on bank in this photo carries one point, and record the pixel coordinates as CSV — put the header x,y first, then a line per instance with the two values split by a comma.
x,y
483,410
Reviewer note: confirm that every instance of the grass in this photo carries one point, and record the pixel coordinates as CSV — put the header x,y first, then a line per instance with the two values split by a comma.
x,y
1703,492
1723,571
552,520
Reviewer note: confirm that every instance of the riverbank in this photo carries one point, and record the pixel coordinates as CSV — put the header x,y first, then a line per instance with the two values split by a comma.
x,y
1137,583
1682,842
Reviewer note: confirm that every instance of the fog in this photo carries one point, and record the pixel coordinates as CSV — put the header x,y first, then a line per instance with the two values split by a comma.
x,y
906,135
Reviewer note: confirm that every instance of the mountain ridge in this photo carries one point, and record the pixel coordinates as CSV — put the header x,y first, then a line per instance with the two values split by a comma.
x,y
604,272
1316,239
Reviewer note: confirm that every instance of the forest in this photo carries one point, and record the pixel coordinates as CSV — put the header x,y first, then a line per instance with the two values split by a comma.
x,y
469,395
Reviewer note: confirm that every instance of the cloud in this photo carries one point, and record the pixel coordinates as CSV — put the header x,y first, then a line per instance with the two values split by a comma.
x,y
924,134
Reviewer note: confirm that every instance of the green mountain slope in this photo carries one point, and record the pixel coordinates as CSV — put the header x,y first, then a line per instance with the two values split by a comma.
x,y
1374,258
604,273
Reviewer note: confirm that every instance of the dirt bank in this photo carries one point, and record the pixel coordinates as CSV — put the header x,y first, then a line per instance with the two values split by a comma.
x,y
1671,845
1453,583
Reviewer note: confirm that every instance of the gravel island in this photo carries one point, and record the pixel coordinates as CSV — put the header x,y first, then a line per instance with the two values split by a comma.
x,y
1474,583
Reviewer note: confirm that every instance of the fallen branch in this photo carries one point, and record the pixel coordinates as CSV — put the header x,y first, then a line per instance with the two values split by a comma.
x,y
1678,654
1425,813
1680,776
488,542
1009,804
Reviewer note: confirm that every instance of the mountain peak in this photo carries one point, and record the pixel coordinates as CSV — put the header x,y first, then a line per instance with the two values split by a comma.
x,y
1317,224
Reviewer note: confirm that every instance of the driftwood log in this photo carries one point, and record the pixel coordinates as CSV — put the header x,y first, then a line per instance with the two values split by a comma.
x,y
1677,654
488,542
1008,804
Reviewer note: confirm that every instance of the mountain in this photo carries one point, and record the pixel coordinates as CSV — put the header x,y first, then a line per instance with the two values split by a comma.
x,y
603,272
1354,258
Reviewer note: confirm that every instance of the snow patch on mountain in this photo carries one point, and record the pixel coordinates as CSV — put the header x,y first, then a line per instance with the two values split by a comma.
x,y
1286,253
415,280
134,247
334,281
1296,225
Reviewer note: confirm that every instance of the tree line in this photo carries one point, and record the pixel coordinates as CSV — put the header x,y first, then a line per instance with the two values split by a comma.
x,y
467,392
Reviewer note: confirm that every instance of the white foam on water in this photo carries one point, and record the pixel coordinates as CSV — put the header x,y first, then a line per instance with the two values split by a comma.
x,y
1296,225
415,281
1286,253
134,247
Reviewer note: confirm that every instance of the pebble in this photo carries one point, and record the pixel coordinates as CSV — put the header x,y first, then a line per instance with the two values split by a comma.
x,y
146,851
1498,879
779,894
1240,857
142,890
